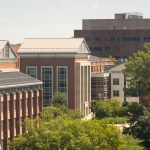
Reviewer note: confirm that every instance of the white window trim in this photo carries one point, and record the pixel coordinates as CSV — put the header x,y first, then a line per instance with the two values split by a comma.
x,y
52,77
66,67
31,67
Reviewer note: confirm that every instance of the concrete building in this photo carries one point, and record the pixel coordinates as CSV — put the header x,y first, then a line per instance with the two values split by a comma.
x,y
21,96
118,83
8,56
100,79
63,66
119,37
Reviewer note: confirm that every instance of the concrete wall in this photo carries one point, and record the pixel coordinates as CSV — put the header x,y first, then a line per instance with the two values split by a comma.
x,y
119,87
111,24
83,87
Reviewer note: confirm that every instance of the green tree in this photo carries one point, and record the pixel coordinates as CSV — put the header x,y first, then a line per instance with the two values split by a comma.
x,y
112,58
137,69
142,128
135,110
106,108
66,132
59,99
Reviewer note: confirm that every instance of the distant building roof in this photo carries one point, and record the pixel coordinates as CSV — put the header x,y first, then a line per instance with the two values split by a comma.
x,y
116,68
3,43
95,58
16,79
54,45
15,47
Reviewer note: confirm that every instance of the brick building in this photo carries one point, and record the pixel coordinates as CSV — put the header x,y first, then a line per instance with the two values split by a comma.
x,y
21,96
119,37
63,66
100,79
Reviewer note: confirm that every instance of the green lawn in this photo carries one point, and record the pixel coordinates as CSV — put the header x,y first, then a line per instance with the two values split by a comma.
x,y
114,120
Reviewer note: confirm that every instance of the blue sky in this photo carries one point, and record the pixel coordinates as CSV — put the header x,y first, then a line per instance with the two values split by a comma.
x,y
21,19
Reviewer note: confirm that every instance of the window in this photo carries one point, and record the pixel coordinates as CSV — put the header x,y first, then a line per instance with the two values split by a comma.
x,y
116,93
107,48
115,81
131,39
32,71
107,67
47,78
62,79
96,49
146,38
6,52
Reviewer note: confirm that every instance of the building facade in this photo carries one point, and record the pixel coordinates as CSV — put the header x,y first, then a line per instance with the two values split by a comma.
x,y
119,37
63,66
21,96
118,83
8,56
100,78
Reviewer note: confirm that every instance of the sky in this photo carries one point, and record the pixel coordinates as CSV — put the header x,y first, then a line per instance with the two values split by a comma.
x,y
20,19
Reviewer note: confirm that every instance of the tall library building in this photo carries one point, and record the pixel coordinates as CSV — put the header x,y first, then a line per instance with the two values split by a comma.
x,y
62,65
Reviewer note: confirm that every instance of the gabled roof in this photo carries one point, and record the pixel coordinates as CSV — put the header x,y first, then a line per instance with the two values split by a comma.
x,y
15,47
16,79
2,43
119,67
53,45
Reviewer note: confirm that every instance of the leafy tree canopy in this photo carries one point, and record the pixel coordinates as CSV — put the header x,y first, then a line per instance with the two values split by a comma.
x,y
65,131
106,108
138,70
59,99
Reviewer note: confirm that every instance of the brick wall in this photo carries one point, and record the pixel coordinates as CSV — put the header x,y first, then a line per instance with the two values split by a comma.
x,y
38,61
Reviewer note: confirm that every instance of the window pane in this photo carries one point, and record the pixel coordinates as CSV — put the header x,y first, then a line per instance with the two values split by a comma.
x,y
62,79
47,85
31,71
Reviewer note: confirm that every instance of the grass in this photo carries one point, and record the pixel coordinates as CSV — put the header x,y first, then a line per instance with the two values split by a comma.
x,y
114,120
